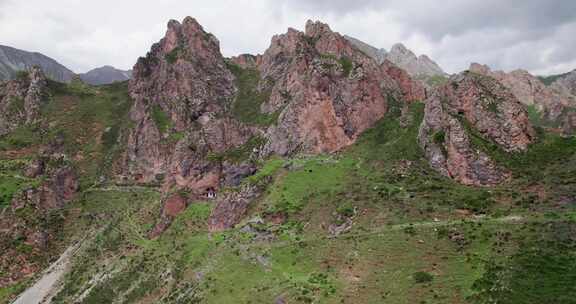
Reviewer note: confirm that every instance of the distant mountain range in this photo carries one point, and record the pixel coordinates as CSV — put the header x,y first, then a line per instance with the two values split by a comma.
x,y
400,55
13,60
104,75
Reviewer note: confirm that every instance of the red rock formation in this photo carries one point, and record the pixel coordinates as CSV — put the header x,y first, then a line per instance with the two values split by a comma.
x,y
326,90
472,103
411,90
60,187
529,90
181,93
20,100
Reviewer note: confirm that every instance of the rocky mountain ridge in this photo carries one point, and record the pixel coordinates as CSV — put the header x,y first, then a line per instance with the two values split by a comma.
x,y
311,92
417,66
473,103
555,103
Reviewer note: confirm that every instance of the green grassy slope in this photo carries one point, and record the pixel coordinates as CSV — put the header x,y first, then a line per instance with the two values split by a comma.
x,y
90,120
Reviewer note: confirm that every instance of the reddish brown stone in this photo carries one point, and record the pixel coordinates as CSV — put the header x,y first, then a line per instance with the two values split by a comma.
x,y
174,205
326,90
529,90
484,106
411,90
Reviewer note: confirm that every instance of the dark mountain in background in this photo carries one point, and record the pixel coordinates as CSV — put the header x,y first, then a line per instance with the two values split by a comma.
x,y
105,75
13,60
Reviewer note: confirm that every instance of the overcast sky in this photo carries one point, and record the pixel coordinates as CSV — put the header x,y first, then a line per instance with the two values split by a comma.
x,y
537,35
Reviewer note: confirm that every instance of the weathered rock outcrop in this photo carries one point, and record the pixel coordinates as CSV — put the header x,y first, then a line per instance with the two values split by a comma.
x,y
529,90
326,91
20,100
323,91
472,105
411,90
59,180
182,91
566,84
377,54
59,188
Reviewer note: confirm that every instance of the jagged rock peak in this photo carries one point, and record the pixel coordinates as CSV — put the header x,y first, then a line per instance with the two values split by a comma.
x,y
316,28
326,90
182,91
378,54
190,35
399,48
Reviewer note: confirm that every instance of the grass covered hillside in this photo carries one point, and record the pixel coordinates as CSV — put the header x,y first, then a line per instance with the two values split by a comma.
x,y
370,224
87,121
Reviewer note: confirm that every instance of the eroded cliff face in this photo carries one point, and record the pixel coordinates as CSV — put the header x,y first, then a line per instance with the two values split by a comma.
x,y
325,90
473,105
20,100
529,90
182,90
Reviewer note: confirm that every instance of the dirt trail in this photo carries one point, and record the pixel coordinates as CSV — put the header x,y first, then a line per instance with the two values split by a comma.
x,y
46,287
